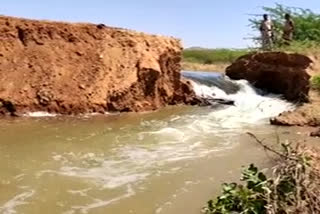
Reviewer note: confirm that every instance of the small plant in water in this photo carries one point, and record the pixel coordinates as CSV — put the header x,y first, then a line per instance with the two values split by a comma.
x,y
242,199
293,187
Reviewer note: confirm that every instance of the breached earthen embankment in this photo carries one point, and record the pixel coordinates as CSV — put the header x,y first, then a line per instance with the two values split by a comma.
x,y
84,68
275,72
287,74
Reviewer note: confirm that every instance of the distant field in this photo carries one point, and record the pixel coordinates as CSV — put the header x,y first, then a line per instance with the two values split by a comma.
x,y
210,59
212,56
201,59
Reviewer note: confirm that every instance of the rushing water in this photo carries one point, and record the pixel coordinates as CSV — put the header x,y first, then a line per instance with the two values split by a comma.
x,y
164,162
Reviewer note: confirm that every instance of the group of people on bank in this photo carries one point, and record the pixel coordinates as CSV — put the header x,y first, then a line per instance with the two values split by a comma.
x,y
268,35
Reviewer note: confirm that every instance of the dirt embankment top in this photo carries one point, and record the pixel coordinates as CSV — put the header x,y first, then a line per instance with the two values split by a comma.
x,y
82,68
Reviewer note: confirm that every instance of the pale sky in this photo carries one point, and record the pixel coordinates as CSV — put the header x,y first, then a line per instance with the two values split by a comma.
x,y
205,23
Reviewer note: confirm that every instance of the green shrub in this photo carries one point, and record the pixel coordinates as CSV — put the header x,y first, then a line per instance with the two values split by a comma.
x,y
293,187
242,199
315,82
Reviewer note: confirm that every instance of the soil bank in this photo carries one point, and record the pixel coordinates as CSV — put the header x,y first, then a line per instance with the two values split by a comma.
x,y
85,68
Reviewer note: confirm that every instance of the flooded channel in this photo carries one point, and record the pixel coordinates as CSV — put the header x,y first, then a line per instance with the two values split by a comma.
x,y
165,162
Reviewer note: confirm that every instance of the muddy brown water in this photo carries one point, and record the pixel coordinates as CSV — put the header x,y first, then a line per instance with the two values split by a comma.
x,y
134,163
165,162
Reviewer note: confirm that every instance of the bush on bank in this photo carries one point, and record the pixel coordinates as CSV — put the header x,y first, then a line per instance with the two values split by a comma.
x,y
293,187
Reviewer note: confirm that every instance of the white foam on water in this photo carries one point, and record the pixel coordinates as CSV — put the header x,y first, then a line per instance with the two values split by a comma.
x,y
114,178
82,192
40,114
133,158
98,203
130,164
249,107
10,206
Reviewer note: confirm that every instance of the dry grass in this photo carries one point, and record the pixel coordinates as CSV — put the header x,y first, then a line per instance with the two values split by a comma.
x,y
301,169
292,187
295,186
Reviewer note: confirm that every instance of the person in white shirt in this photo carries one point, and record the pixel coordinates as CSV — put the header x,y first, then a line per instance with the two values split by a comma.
x,y
266,30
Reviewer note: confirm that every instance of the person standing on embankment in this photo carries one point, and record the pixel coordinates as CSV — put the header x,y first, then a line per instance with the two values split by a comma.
x,y
266,33
288,30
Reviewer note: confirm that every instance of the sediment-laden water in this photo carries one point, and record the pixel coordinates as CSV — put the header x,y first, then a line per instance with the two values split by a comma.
x,y
165,162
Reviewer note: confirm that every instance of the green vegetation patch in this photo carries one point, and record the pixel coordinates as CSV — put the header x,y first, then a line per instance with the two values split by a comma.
x,y
293,187
315,82
212,56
